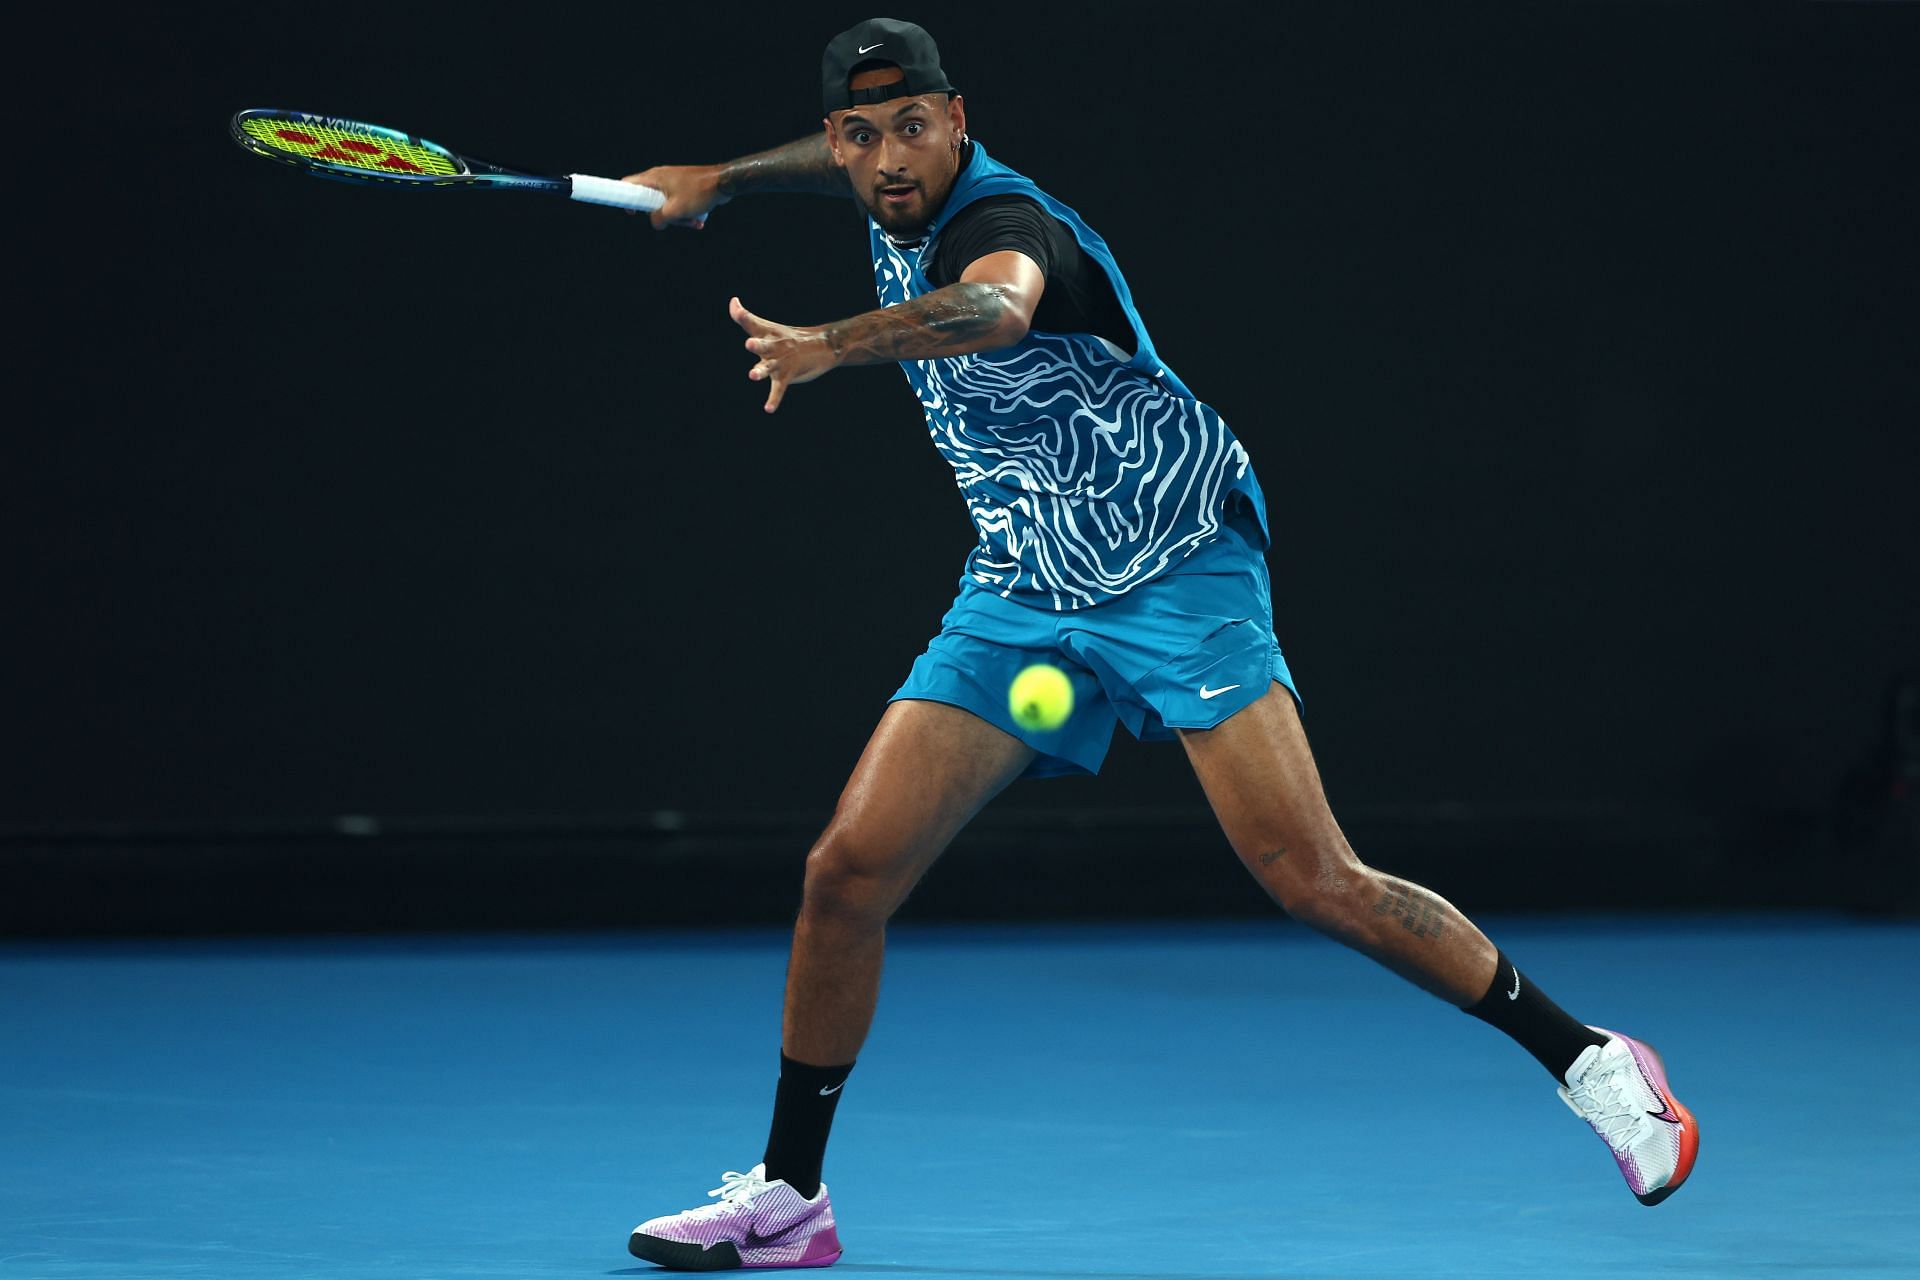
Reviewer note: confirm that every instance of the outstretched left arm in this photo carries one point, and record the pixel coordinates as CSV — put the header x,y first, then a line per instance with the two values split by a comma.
x,y
989,307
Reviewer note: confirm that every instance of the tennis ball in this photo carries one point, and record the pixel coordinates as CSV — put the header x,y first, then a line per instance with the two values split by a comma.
x,y
1041,697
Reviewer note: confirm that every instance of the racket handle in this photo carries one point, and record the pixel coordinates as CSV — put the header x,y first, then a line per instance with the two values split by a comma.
x,y
621,195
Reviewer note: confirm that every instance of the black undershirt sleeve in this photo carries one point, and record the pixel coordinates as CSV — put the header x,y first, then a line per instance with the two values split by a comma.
x,y
995,224
1078,298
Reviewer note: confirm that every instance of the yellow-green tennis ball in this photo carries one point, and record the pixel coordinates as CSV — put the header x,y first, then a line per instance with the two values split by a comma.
x,y
1041,697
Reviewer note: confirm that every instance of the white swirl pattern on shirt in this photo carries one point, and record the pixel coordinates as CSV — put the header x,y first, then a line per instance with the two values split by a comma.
x,y
1084,478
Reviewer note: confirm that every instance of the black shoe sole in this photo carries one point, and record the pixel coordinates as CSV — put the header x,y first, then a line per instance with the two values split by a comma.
x,y
681,1256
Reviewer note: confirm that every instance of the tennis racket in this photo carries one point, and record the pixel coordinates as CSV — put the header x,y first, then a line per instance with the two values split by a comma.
x,y
353,151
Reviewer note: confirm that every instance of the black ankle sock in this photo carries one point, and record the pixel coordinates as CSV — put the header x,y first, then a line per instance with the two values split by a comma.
x,y
1540,1026
803,1105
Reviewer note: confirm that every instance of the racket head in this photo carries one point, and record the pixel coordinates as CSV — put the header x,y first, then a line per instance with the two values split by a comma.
x,y
348,150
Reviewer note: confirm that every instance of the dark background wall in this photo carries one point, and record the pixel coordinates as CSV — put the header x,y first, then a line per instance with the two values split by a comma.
x,y
1574,345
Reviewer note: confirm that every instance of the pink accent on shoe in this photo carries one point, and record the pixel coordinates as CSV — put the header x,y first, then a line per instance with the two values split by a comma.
x,y
823,1250
1655,1072
1686,1130
761,1224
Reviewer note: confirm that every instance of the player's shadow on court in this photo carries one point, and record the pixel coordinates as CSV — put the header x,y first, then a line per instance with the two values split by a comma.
x,y
902,1269
888,1268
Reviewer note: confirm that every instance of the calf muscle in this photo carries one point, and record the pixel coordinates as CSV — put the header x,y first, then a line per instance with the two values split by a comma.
x,y
1261,780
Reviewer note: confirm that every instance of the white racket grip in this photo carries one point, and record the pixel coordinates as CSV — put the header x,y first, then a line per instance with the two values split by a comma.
x,y
621,195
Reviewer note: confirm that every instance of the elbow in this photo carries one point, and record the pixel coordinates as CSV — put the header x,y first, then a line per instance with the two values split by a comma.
x,y
981,316
1012,315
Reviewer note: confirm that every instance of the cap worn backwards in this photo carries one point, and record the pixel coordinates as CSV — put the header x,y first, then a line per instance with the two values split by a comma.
x,y
880,40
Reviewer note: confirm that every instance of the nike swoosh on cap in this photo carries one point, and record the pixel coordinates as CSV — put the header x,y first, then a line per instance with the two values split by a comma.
x,y
870,48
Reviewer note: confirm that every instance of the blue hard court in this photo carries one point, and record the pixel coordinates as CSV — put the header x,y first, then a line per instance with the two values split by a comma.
x,y
1206,1102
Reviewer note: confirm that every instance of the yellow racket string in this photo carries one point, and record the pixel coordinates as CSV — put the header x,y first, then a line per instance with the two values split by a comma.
x,y
369,151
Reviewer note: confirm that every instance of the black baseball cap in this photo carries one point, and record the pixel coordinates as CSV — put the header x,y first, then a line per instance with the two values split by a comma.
x,y
880,40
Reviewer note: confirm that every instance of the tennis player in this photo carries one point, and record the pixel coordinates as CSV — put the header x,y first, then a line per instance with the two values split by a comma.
x,y
1122,535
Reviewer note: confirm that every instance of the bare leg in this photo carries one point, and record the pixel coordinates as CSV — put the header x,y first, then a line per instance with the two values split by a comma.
x,y
1260,778
927,770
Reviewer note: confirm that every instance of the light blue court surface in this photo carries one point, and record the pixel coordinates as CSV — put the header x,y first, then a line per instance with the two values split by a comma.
x,y
1195,1103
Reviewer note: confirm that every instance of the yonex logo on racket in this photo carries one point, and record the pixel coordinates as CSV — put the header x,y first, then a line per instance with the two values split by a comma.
x,y
332,122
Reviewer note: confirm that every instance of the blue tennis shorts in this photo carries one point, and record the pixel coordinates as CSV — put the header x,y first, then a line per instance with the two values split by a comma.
x,y
1182,651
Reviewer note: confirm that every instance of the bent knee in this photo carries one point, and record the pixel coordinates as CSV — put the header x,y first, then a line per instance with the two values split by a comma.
x,y
1324,887
854,878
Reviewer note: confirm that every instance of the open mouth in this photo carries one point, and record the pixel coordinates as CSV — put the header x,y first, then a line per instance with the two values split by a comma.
x,y
898,193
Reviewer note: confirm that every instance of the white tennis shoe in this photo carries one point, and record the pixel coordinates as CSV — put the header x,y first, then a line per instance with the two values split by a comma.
x,y
753,1223
1620,1089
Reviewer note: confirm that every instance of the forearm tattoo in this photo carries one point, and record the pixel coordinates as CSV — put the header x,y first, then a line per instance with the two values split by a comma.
x,y
947,322
1272,856
805,164
1422,914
